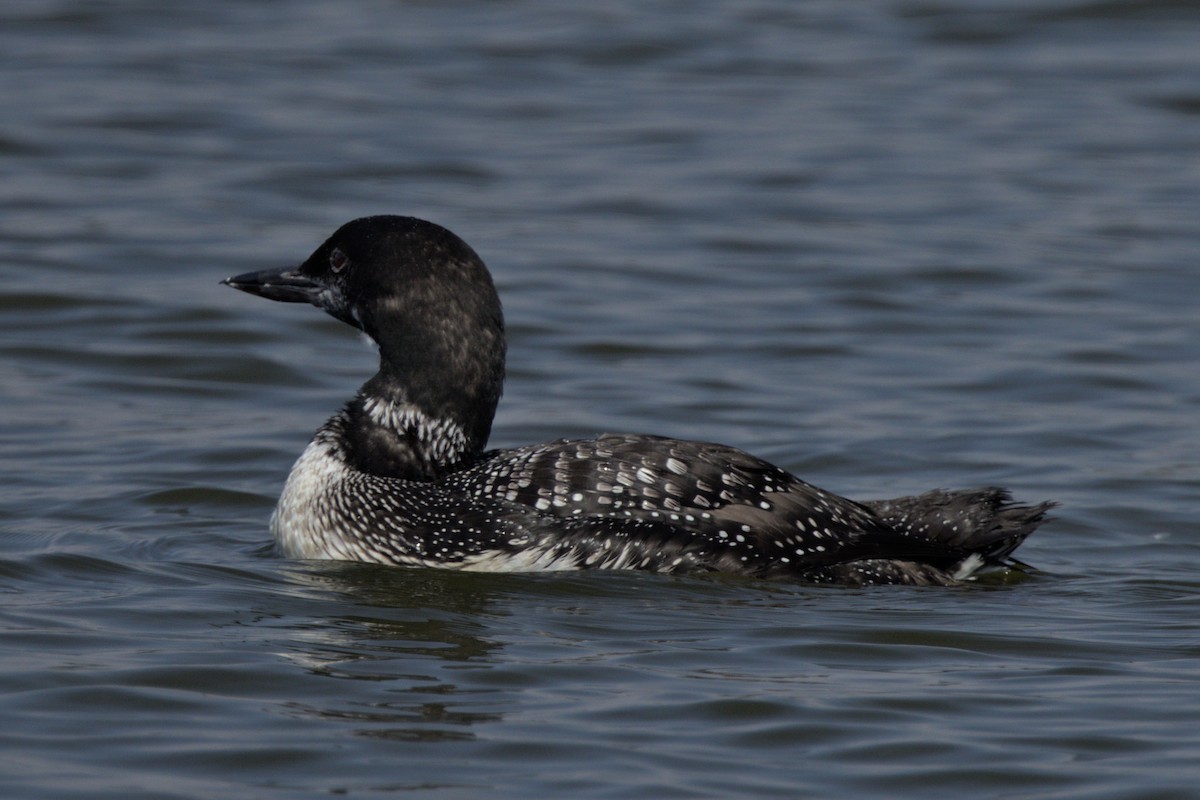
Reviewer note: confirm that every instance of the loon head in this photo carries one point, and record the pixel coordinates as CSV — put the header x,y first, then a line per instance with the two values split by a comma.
x,y
427,300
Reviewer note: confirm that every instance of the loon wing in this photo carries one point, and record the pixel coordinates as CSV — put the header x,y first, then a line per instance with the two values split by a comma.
x,y
738,509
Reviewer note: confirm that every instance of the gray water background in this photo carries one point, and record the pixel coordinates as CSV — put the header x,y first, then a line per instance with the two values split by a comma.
x,y
887,245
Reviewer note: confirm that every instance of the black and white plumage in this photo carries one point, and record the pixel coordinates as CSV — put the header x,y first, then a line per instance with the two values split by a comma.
x,y
400,475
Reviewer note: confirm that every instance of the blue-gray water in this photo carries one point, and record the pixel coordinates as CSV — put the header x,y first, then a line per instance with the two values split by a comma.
x,y
887,245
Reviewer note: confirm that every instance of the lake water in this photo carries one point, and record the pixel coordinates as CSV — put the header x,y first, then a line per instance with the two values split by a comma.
x,y
886,245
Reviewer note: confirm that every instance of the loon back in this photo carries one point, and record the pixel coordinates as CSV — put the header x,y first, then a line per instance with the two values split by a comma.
x,y
400,475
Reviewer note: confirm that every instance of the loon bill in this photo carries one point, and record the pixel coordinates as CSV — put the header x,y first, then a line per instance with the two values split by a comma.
x,y
401,475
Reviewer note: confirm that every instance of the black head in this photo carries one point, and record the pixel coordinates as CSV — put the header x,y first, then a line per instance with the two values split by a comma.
x,y
424,296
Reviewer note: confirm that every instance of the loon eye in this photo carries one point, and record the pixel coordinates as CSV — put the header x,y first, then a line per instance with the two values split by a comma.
x,y
338,260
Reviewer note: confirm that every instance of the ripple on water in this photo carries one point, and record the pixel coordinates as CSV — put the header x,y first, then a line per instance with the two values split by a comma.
x,y
889,246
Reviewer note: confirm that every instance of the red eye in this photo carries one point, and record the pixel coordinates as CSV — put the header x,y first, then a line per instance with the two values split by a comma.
x,y
338,260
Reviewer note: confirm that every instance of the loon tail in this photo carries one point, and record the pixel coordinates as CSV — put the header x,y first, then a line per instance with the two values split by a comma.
x,y
970,529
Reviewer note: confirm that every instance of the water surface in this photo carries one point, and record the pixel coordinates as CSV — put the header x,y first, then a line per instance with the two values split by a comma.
x,y
887,245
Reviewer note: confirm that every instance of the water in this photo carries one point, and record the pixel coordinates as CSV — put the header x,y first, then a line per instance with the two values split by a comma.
x,y
887,245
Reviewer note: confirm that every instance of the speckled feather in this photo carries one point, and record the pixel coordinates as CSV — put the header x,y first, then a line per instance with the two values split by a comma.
x,y
399,476
720,503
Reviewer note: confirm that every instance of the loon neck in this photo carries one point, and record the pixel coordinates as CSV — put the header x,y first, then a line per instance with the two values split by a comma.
x,y
440,334
390,432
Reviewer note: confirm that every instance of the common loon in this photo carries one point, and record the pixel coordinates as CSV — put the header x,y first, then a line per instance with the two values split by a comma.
x,y
400,475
